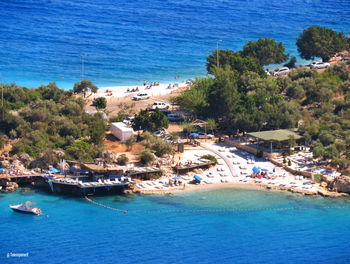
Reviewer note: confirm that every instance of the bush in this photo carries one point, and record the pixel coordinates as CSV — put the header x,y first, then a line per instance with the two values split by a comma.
x,y
146,156
289,163
317,177
100,103
122,159
210,157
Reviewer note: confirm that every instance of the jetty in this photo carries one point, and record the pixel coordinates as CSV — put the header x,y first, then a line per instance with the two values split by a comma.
x,y
79,187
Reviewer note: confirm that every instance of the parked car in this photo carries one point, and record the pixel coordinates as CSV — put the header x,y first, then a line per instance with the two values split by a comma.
x,y
141,96
345,59
161,133
175,118
201,135
281,71
160,105
319,65
128,120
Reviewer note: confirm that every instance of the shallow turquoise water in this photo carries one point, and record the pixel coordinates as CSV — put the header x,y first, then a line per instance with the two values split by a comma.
x,y
125,42
227,226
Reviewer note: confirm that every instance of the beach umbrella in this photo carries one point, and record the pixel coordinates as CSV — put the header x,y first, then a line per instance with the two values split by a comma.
x,y
194,135
176,178
264,169
198,178
54,170
256,170
2,169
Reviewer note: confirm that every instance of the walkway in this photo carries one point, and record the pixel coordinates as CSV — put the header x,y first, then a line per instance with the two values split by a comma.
x,y
227,161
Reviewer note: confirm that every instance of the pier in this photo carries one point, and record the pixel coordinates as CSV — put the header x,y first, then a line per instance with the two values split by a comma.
x,y
77,187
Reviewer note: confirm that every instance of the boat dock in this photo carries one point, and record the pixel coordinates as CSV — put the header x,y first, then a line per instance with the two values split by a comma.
x,y
77,187
188,166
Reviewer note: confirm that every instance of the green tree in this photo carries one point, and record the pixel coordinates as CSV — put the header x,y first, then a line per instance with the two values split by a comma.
x,y
146,156
100,103
84,86
122,159
291,63
211,124
150,121
266,51
317,41
235,61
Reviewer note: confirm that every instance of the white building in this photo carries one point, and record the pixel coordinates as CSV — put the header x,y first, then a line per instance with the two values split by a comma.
x,y
121,131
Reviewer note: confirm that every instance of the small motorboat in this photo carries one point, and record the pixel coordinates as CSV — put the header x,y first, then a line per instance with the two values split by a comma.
x,y
26,209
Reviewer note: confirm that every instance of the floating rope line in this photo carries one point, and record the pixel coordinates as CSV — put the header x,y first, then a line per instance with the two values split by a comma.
x,y
105,206
222,210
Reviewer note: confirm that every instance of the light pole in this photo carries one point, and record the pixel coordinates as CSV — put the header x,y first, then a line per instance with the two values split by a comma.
x,y
82,65
217,53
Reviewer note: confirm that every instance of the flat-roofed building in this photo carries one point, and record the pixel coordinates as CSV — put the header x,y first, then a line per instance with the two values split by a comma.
x,y
121,131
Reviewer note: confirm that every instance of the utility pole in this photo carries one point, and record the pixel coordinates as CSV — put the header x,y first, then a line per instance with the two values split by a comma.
x,y
2,100
82,65
217,53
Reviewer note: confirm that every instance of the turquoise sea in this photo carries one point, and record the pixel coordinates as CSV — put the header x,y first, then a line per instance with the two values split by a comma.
x,y
216,226
125,42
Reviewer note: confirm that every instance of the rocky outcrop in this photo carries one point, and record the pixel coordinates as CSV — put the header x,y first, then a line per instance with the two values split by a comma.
x,y
11,187
340,184
109,157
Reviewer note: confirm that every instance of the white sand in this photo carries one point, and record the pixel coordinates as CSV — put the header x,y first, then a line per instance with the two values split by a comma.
x,y
121,91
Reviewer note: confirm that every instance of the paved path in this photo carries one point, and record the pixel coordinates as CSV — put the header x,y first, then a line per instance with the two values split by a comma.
x,y
227,161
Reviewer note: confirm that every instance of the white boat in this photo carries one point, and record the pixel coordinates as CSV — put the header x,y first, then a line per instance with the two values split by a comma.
x,y
26,209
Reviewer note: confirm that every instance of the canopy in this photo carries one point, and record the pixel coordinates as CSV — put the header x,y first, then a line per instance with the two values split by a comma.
x,y
194,134
198,178
176,178
256,170
2,169
54,170
264,169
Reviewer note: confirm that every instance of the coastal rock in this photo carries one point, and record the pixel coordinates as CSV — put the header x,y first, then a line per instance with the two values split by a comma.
x,y
341,184
5,164
25,159
17,164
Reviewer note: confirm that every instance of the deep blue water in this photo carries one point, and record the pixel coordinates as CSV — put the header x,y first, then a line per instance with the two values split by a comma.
x,y
124,42
217,226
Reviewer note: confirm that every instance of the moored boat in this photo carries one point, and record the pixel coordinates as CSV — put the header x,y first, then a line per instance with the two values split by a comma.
x,y
26,209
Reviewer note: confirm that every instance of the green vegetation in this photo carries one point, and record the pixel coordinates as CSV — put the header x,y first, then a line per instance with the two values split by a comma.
x,y
150,121
122,159
210,157
240,97
321,42
84,86
100,103
146,156
266,51
48,123
125,110
157,145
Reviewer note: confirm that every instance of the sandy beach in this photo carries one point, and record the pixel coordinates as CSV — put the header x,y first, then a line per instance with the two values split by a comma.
x,y
152,89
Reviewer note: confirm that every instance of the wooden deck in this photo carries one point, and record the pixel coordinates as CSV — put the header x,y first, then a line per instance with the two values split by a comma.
x,y
193,165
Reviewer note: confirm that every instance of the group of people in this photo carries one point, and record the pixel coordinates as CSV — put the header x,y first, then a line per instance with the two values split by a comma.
x,y
132,90
187,163
108,92
175,183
